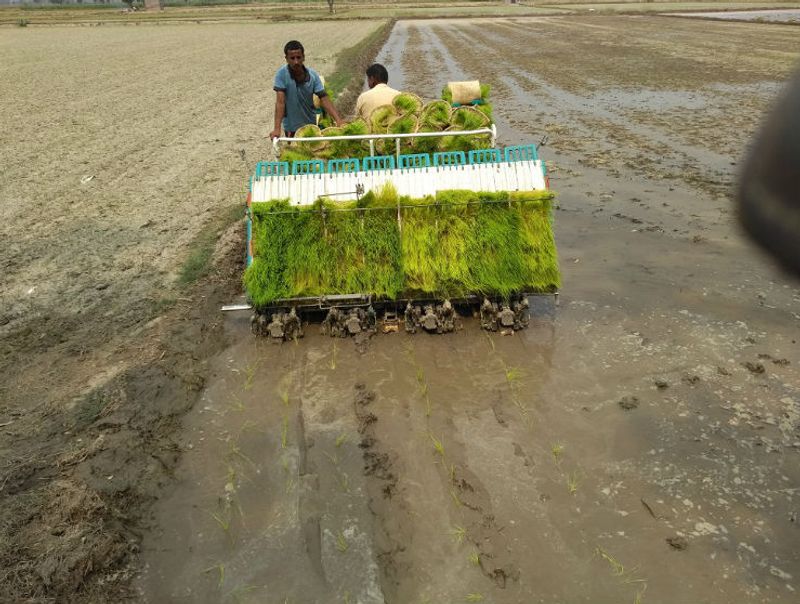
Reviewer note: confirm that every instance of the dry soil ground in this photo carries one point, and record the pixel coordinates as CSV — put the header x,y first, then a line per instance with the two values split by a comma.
x,y
637,444
119,147
660,401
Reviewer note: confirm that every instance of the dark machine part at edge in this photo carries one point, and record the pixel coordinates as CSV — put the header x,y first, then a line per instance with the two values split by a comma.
x,y
769,186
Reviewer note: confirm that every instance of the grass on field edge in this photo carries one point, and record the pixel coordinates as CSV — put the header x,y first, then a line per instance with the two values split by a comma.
x,y
346,81
198,264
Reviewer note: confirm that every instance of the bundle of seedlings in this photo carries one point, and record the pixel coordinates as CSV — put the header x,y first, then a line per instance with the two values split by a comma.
x,y
450,245
407,102
406,114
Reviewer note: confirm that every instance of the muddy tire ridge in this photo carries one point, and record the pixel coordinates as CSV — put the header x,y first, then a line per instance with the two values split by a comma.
x,y
388,510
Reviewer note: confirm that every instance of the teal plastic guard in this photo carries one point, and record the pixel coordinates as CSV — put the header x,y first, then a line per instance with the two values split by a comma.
x,y
415,160
272,168
308,166
343,166
378,162
521,153
484,156
449,158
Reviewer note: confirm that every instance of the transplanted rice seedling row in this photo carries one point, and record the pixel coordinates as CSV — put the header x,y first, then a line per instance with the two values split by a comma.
x,y
450,245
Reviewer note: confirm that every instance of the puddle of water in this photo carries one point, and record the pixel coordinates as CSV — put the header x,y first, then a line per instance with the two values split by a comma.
x,y
650,100
786,15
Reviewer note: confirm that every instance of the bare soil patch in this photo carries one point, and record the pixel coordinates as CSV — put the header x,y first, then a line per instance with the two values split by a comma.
x,y
124,152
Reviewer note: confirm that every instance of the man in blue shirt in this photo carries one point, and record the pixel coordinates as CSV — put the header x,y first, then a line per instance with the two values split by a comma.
x,y
295,87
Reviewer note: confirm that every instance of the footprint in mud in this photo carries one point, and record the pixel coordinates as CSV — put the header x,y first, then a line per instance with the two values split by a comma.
x,y
627,403
756,368
493,549
377,463
519,452
499,414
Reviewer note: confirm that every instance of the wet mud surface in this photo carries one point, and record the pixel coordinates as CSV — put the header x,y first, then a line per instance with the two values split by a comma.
x,y
639,443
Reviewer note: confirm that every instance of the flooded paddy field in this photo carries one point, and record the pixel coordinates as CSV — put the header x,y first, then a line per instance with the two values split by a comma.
x,y
786,15
638,443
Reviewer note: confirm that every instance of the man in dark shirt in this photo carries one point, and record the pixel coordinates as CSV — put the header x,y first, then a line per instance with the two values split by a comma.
x,y
295,87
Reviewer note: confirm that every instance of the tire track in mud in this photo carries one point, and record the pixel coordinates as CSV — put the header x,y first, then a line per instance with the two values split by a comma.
x,y
388,512
469,503
416,61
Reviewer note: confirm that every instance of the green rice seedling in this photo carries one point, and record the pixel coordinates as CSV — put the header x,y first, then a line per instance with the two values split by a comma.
x,y
332,131
436,114
285,431
513,375
290,485
234,453
284,394
474,597
486,109
523,409
447,94
380,118
342,149
310,131
294,154
220,570
237,403
404,124
249,376
341,439
407,102
616,566
427,144
423,390
344,481
239,594
341,542
469,118
438,446
459,533
223,518
557,449
333,459
456,498
475,559
462,142
336,149
357,126
572,483
334,351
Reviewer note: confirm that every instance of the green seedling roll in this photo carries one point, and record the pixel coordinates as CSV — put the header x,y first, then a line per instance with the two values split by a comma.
x,y
456,243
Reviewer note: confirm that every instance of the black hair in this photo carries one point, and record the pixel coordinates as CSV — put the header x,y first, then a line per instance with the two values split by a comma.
x,y
293,45
378,71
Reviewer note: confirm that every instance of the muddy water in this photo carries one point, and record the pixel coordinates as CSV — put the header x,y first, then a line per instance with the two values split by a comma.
x,y
660,401
773,16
